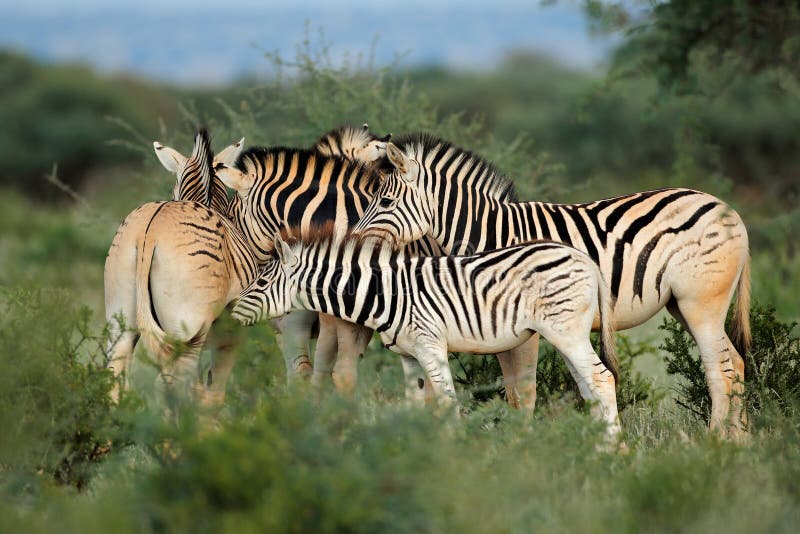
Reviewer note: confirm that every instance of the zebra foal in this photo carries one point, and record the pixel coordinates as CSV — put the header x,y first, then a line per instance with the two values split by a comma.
x,y
424,306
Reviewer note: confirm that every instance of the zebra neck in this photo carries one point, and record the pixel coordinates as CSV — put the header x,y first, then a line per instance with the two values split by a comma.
x,y
488,224
354,289
466,227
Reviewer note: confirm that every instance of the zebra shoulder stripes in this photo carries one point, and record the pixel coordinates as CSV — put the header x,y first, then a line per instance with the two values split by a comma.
x,y
676,248
424,307
171,269
286,187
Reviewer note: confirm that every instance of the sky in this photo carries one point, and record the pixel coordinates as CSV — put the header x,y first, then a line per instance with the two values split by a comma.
x,y
205,42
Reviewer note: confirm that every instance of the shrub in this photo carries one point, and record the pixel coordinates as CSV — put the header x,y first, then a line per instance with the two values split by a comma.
x,y
57,114
55,412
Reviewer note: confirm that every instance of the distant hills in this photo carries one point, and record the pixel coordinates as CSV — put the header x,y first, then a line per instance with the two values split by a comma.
x,y
211,45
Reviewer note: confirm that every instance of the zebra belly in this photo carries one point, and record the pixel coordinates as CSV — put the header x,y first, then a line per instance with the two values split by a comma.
x,y
491,344
631,314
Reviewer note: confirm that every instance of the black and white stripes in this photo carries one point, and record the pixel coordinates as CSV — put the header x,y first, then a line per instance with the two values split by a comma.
x,y
678,248
424,307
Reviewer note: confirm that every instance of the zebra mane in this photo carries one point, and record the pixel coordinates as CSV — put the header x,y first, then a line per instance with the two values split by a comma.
x,y
328,236
496,185
201,162
252,160
332,143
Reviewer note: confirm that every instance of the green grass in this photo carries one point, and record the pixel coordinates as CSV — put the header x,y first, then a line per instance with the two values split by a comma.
x,y
295,459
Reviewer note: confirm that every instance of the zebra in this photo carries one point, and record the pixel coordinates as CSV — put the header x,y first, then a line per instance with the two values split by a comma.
x,y
425,306
280,188
340,344
676,248
354,144
171,269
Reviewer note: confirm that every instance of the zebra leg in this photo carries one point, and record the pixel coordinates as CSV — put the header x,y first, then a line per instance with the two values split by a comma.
x,y
225,343
418,388
595,381
120,356
414,380
525,357
738,415
295,333
706,325
506,361
433,358
179,381
120,301
325,352
212,393
353,340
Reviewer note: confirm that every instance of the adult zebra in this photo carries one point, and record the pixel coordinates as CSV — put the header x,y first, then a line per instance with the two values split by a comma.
x,y
678,248
171,269
292,188
425,306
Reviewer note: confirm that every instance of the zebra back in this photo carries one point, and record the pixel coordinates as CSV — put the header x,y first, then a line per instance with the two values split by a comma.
x,y
352,143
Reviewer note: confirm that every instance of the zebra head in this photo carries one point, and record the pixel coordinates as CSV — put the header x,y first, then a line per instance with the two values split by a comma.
x,y
272,294
355,144
401,209
196,180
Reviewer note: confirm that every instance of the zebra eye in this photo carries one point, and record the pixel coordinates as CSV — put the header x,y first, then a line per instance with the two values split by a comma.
x,y
387,202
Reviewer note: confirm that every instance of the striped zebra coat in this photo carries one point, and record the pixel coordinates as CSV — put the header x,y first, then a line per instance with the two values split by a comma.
x,y
171,269
676,248
280,188
424,307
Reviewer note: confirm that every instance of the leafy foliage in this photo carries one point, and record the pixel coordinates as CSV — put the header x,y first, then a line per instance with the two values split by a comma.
x,y
55,411
59,115
677,39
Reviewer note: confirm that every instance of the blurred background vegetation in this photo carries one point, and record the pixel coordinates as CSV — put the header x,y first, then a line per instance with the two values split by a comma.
x,y
696,94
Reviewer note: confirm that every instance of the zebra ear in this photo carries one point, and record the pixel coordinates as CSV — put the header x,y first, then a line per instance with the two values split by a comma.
x,y
171,159
396,157
230,153
234,178
285,253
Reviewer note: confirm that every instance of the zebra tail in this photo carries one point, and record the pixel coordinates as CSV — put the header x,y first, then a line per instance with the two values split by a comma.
x,y
742,337
149,328
608,350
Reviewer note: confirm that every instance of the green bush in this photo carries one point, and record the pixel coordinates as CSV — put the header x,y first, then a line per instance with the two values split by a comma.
x,y
59,115
55,412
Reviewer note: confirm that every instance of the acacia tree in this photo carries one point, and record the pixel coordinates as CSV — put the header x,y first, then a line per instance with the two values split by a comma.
x,y
681,40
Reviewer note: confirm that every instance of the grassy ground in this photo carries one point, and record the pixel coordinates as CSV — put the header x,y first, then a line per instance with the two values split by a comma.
x,y
292,460
282,462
